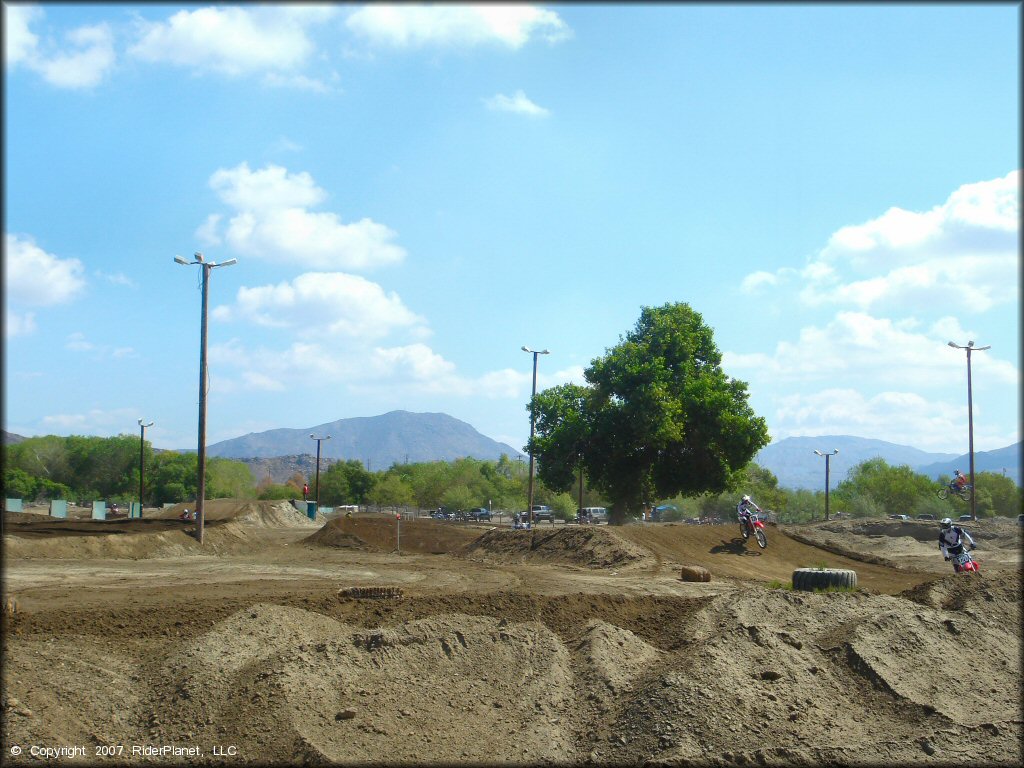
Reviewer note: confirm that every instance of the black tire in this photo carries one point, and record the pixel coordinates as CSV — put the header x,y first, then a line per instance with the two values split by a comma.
x,y
762,540
964,493
943,493
810,579
744,532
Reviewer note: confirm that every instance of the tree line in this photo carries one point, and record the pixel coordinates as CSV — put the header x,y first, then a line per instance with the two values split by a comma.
x,y
83,469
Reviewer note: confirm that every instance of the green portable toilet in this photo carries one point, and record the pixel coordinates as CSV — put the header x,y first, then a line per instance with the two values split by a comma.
x,y
311,510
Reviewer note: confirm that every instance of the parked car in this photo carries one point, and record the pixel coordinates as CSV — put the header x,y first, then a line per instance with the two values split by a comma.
x,y
965,518
479,513
926,517
899,517
543,512
593,515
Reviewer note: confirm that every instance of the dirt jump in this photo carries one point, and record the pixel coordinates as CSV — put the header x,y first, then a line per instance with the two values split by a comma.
x,y
366,640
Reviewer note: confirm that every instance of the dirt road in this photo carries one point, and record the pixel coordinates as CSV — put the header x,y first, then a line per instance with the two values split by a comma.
x,y
562,645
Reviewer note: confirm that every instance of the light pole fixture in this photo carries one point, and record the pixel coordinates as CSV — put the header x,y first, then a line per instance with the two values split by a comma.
x,y
142,461
827,457
318,441
970,421
533,422
206,266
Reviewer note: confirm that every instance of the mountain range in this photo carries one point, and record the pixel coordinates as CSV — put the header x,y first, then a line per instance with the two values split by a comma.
x,y
794,463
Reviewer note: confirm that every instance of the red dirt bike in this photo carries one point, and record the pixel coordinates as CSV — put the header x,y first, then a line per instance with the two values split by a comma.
x,y
753,524
963,562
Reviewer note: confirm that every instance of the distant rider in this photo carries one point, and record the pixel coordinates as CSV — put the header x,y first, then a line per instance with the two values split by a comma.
x,y
951,538
743,510
958,482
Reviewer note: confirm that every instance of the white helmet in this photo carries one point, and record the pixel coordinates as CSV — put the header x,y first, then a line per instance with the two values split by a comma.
x,y
946,523
746,498
956,472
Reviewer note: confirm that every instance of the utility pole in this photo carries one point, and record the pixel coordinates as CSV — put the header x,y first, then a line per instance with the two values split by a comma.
x,y
533,421
970,422
827,457
206,266
142,461
318,441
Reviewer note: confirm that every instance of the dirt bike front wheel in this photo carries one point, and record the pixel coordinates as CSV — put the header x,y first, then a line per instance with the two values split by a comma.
x,y
943,493
762,540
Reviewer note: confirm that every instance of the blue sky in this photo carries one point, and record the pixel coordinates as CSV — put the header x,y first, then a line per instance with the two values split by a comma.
x,y
415,192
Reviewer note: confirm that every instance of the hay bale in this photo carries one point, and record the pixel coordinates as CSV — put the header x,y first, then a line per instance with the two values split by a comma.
x,y
694,573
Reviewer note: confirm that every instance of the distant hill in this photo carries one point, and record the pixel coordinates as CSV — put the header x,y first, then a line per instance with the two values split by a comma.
x,y
10,438
1002,460
793,462
376,441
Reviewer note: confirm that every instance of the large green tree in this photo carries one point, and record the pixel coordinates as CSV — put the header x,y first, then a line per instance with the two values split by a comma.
x,y
658,418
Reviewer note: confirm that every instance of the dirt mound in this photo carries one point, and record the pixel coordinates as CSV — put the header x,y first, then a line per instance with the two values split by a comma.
x,y
380,532
590,547
755,676
228,529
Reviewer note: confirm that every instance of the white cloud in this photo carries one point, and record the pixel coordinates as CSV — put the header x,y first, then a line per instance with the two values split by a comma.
x,y
296,82
84,67
208,232
858,347
272,220
269,188
34,277
92,422
117,278
518,103
334,303
755,280
962,254
232,40
78,343
20,43
410,26
83,63
19,324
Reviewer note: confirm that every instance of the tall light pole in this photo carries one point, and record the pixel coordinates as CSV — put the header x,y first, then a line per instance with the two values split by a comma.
x,y
827,457
142,461
533,422
970,421
318,441
206,266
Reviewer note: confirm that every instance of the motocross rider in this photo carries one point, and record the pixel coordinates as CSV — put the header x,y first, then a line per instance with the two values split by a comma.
x,y
952,537
743,509
958,481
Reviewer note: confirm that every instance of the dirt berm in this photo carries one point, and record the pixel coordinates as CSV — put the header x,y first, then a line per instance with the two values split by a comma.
x,y
563,646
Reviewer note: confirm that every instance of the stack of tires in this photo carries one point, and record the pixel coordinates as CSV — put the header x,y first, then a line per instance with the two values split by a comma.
x,y
810,579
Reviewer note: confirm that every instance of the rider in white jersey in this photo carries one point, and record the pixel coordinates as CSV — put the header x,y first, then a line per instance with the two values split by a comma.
x,y
952,537
744,507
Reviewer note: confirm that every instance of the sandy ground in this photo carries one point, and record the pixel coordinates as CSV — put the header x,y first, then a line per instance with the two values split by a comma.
x,y
561,645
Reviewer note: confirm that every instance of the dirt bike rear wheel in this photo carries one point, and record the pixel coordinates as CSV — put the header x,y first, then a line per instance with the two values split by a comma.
x,y
744,532
964,493
762,540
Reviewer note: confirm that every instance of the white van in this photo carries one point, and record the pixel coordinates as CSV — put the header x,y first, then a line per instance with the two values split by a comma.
x,y
592,515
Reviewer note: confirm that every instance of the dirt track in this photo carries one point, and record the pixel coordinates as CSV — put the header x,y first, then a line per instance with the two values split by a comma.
x,y
560,645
